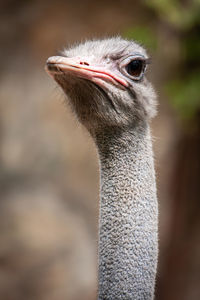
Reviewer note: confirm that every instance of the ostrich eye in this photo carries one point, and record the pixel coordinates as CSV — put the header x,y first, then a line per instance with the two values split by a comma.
x,y
136,67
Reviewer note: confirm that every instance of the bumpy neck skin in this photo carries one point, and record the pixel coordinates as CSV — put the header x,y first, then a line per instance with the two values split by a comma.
x,y
128,245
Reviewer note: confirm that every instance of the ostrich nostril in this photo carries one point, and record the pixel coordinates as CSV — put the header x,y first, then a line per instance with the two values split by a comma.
x,y
84,63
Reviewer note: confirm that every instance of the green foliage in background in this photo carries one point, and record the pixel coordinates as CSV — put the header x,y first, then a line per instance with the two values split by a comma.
x,y
182,18
185,95
143,35
177,13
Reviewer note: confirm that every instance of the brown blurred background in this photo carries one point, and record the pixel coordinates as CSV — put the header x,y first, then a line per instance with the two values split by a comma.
x,y
48,164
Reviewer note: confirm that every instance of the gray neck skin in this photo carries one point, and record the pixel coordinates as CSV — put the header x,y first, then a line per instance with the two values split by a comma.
x,y
128,215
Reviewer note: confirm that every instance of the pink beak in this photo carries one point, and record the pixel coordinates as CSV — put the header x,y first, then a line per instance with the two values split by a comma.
x,y
82,69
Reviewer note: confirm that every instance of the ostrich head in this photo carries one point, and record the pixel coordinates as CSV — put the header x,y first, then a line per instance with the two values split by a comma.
x,y
105,82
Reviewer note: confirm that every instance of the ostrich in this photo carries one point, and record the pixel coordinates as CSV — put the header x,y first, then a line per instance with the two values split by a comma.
x,y
107,88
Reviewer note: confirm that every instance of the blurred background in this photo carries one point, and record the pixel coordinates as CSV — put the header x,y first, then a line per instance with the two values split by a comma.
x,y
48,163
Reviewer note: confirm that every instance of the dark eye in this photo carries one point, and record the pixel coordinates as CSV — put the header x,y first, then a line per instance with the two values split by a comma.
x,y
136,67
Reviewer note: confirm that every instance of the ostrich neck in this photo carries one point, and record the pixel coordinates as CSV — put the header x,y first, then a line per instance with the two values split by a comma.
x,y
128,215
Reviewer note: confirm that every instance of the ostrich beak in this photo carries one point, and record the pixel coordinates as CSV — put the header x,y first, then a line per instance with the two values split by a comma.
x,y
62,65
